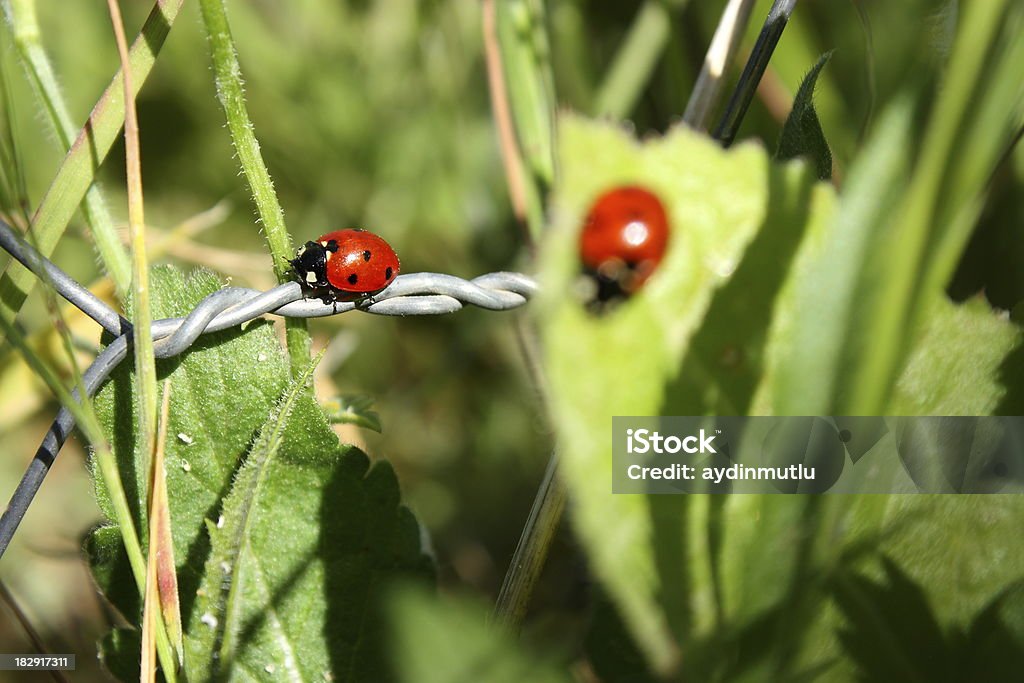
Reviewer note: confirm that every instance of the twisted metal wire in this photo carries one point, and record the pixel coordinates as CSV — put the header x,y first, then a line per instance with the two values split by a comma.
x,y
412,294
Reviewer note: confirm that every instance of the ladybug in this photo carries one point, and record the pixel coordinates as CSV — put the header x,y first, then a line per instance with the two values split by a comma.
x,y
623,240
346,265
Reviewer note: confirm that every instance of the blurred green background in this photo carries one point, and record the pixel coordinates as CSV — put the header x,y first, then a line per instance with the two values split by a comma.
x,y
376,113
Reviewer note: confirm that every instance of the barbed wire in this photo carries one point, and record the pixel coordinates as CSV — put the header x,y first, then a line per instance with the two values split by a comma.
x,y
411,294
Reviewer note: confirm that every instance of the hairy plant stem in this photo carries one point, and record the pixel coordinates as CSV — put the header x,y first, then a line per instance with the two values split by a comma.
x,y
230,92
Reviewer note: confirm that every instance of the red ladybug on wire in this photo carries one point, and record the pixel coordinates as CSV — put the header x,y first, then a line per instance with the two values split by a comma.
x,y
346,265
624,237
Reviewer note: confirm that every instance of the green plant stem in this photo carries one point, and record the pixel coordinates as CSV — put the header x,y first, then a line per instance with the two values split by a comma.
x,y
539,531
532,550
524,204
526,66
231,94
21,15
78,170
635,61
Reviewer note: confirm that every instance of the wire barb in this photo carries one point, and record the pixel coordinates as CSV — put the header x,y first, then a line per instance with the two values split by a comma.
x,y
410,294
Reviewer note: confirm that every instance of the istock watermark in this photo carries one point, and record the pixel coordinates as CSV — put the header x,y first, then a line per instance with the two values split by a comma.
x,y
818,454
646,441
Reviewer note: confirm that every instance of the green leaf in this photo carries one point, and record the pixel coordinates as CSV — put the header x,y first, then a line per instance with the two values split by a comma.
x,y
960,549
915,249
960,367
443,640
353,409
690,342
307,535
221,392
321,522
801,135
891,632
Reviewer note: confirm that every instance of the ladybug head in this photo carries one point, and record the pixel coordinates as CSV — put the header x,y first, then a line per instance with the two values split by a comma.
x,y
310,263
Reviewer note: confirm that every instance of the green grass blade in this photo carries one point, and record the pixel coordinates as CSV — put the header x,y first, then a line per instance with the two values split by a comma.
x,y
78,169
804,378
21,15
635,61
918,224
526,57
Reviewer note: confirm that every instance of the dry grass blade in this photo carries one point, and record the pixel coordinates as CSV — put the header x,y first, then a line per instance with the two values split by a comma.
x,y
502,115
145,361
161,579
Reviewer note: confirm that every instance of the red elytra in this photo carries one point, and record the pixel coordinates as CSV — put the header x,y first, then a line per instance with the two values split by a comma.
x,y
626,230
351,262
363,263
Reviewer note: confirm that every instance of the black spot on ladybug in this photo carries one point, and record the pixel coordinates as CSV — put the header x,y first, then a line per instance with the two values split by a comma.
x,y
332,246
366,255
353,278
388,272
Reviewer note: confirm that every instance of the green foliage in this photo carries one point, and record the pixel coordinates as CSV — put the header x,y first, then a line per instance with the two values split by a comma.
x,y
77,173
526,59
761,279
353,409
778,296
891,632
801,135
21,15
439,640
304,526
963,365
827,316
722,206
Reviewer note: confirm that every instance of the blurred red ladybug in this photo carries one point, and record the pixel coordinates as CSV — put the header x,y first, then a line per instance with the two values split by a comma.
x,y
346,264
623,240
